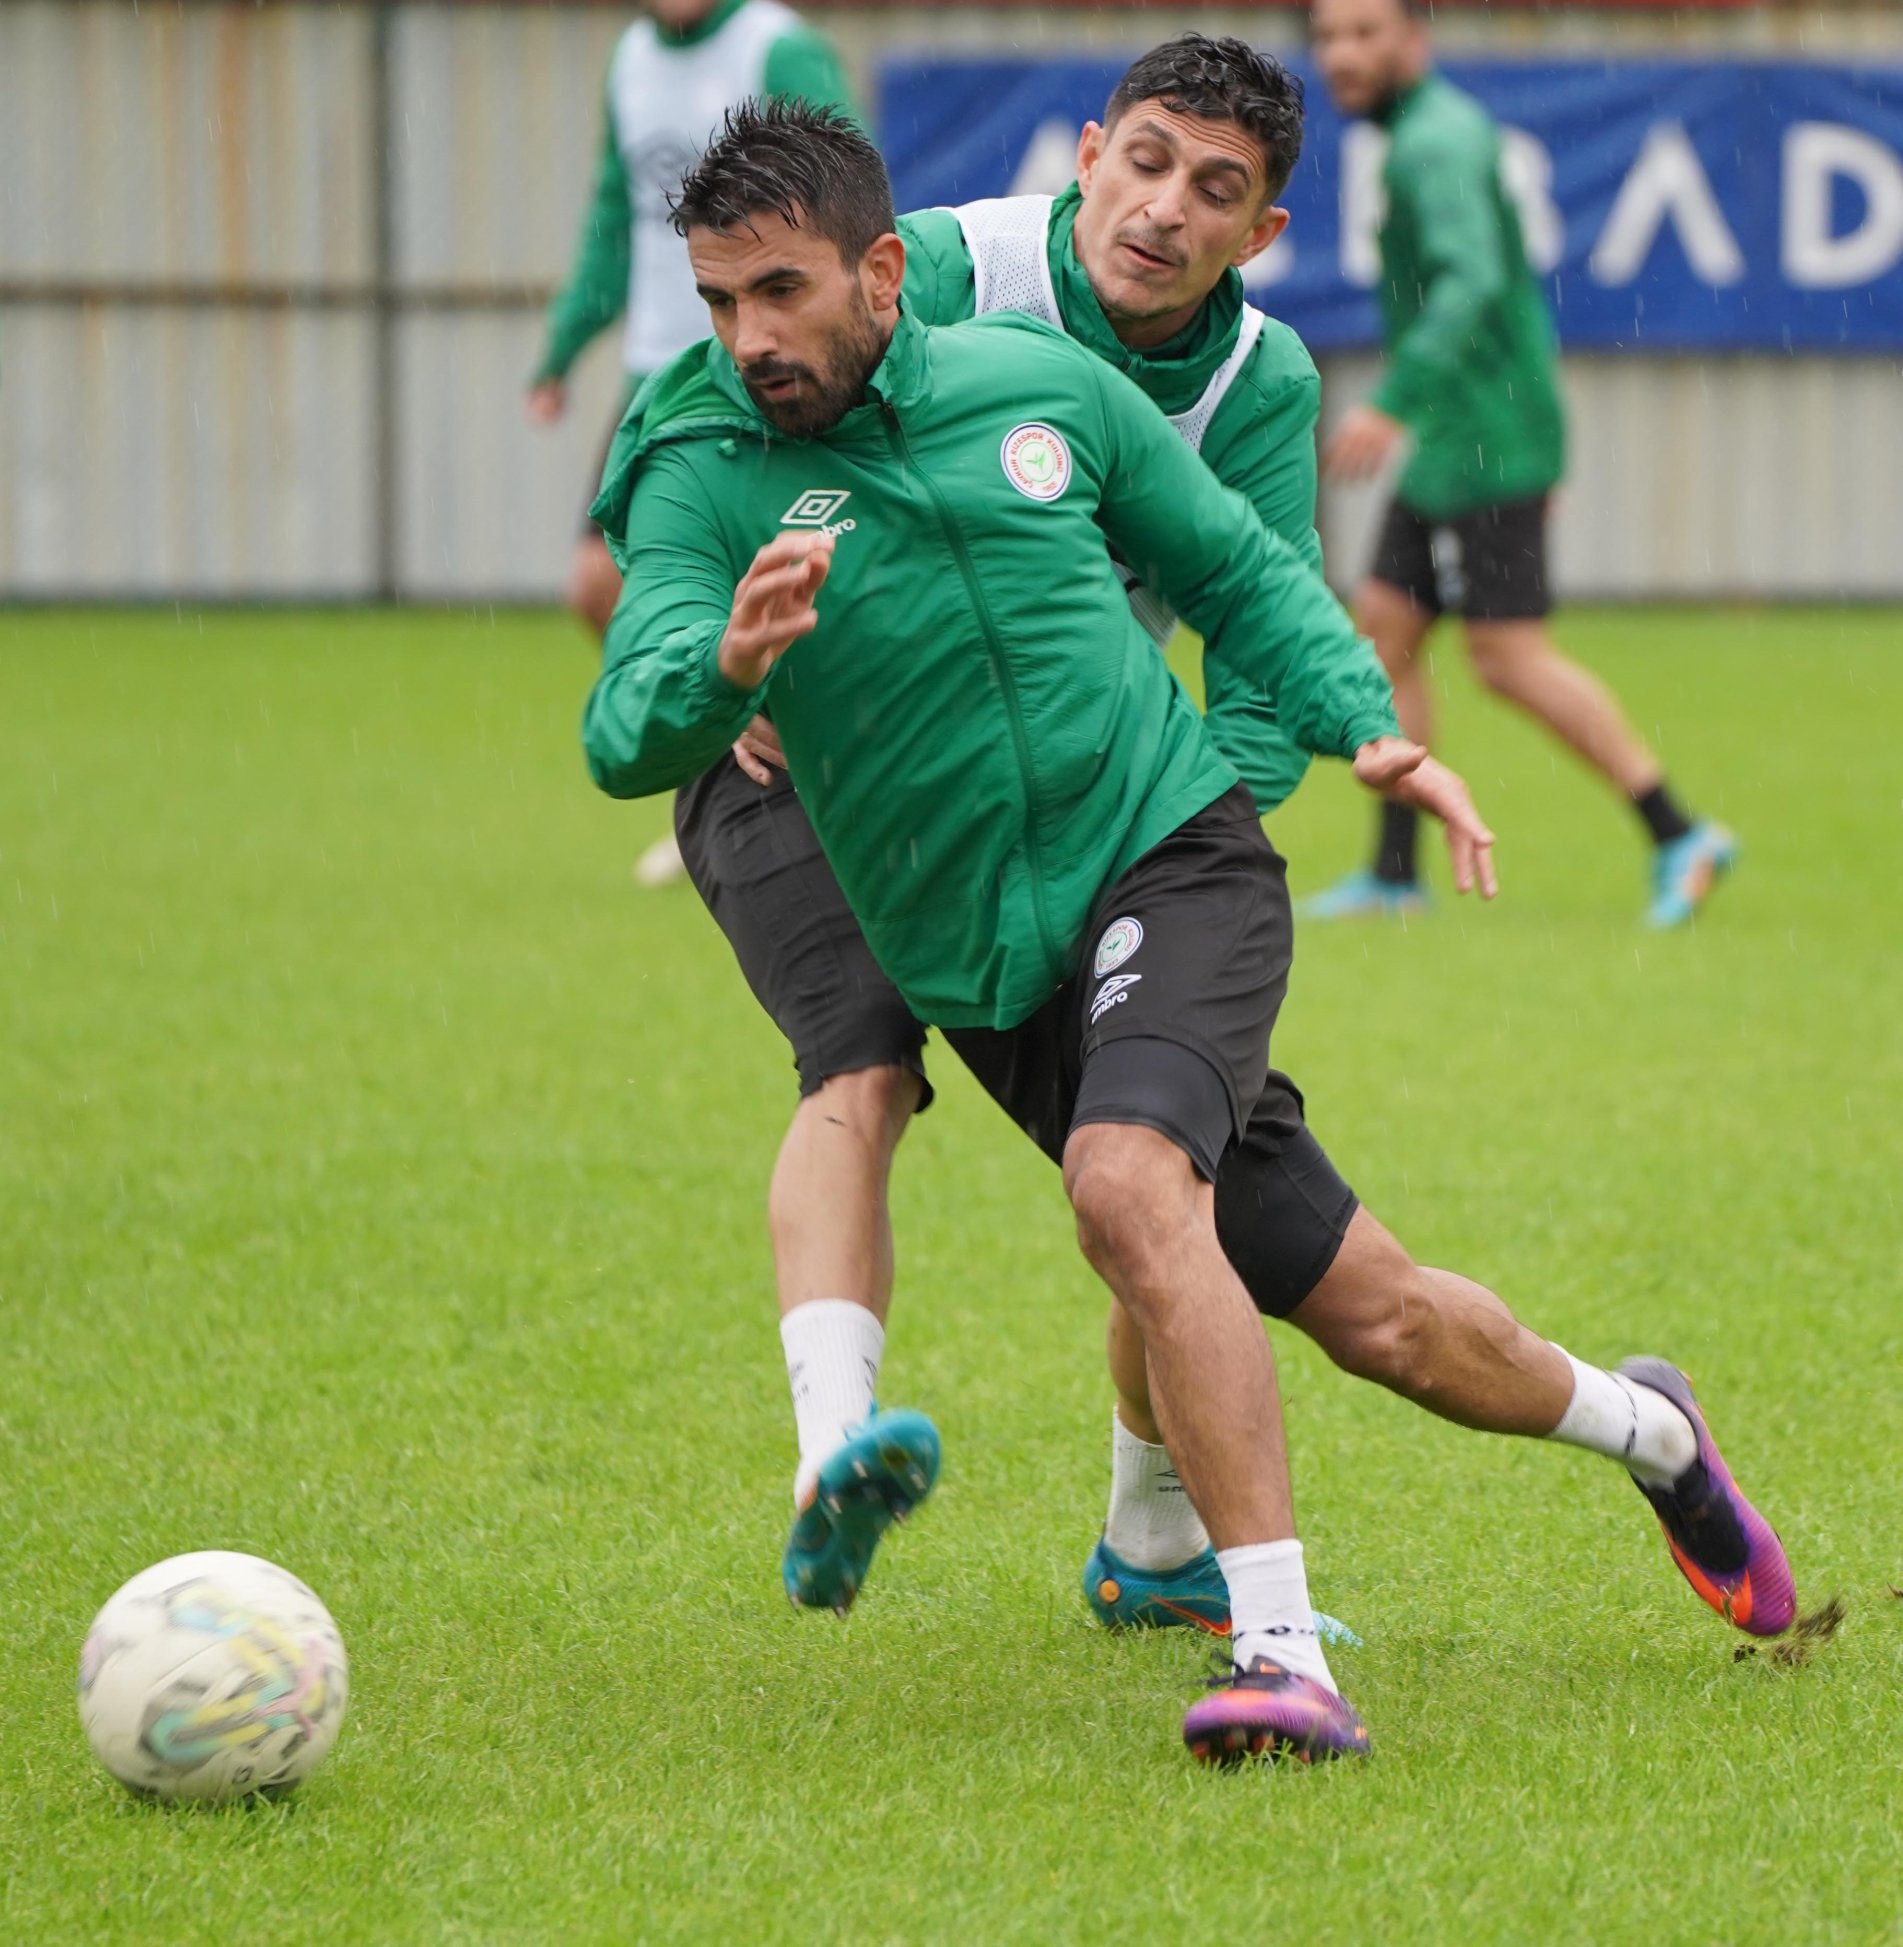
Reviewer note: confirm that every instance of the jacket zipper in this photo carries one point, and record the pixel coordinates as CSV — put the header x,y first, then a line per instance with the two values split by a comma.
x,y
1000,668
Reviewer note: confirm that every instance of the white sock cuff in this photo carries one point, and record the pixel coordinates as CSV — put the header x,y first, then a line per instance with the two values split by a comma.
x,y
832,1323
1260,1554
1131,1444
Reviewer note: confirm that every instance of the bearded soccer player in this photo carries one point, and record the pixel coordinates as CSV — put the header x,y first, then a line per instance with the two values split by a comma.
x,y
1049,858
672,76
1472,377
1138,261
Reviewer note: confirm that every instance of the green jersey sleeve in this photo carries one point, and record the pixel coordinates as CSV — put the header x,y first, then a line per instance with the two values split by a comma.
x,y
1463,267
661,711
1273,632
596,292
941,286
803,65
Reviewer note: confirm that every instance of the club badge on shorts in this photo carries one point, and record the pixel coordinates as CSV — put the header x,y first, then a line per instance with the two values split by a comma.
x,y
1036,460
1121,938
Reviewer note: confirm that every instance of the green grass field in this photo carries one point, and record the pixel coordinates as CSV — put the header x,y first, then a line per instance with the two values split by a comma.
x,y
381,1186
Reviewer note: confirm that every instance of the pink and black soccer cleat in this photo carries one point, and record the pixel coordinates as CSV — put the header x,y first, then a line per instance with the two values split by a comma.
x,y
1265,1710
1723,1546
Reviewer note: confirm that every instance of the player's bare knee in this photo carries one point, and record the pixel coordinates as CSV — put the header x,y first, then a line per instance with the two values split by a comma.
x,y
1375,1313
876,1103
869,1106
1129,1211
1395,1348
1493,666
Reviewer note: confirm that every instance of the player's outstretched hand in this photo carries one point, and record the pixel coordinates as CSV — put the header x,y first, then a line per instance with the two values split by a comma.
x,y
773,606
1383,761
547,402
1431,787
758,747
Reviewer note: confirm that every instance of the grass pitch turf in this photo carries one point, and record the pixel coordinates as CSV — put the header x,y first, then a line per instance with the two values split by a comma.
x,y
380,1191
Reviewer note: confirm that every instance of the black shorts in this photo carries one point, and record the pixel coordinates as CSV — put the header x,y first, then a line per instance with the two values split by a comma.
x,y
1201,1078
1488,565
1166,1025
753,857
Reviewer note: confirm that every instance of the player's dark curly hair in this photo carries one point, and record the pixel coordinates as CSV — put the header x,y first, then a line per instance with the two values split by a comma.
x,y
1223,80
812,166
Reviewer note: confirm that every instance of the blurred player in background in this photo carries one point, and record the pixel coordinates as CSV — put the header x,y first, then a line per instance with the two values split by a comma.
x,y
1472,377
672,76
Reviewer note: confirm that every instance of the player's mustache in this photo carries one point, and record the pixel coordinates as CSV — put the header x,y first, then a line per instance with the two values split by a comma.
x,y
763,371
1154,246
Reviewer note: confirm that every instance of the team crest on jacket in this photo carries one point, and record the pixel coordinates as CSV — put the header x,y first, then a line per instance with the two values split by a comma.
x,y
1121,938
1036,460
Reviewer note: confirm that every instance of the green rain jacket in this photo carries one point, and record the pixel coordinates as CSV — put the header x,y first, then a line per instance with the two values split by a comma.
x,y
1261,441
979,729
1472,359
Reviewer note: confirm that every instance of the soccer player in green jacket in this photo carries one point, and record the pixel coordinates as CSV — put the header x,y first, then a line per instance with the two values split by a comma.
x,y
1138,262
672,76
1472,377
1050,859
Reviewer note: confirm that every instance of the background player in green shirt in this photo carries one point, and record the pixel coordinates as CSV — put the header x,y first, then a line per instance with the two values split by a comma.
x,y
1472,377
672,75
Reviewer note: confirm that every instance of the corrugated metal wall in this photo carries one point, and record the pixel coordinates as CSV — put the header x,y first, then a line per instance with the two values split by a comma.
x,y
237,358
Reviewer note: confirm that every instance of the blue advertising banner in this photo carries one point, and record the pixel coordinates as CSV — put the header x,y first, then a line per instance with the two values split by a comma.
x,y
1672,205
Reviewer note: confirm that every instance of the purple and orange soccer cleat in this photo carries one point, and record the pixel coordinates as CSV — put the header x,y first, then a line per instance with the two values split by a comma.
x,y
1723,1546
1266,1710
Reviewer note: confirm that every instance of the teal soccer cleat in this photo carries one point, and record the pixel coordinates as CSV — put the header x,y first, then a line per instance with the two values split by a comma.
x,y
1685,871
1191,1597
1363,895
879,1476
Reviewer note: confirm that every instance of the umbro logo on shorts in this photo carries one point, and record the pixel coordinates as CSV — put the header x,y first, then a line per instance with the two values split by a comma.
x,y
1113,993
816,508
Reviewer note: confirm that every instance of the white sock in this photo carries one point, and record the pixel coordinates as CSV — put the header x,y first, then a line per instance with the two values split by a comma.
x,y
1639,1428
1151,1523
833,1349
1270,1609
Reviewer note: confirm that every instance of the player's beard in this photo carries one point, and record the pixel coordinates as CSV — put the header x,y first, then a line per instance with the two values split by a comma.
x,y
822,397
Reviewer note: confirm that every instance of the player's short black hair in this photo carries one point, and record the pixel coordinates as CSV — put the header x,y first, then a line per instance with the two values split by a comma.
x,y
813,166
1223,80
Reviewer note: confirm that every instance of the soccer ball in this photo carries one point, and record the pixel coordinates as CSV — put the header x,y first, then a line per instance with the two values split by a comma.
x,y
212,1676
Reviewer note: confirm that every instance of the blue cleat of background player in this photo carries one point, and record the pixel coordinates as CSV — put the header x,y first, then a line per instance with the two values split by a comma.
x,y
1193,1596
882,1472
1685,870
1365,895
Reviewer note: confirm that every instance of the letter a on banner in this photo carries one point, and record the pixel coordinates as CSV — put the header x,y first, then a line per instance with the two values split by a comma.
x,y
1667,180
1815,153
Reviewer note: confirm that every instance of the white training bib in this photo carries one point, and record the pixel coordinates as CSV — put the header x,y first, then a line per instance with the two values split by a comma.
x,y
666,103
1009,241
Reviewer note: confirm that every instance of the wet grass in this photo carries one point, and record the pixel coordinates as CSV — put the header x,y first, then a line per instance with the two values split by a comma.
x,y
380,1191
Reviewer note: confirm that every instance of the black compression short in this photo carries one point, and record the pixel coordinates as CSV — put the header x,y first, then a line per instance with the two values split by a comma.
x,y
1166,1026
1183,1014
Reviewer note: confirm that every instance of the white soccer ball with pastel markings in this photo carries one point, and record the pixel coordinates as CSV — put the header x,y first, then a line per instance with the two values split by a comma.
x,y
212,1676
